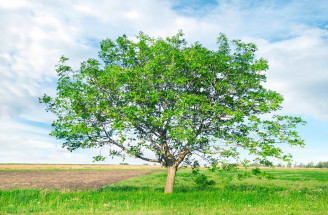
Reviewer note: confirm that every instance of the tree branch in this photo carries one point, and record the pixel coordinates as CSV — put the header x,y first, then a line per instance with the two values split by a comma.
x,y
110,140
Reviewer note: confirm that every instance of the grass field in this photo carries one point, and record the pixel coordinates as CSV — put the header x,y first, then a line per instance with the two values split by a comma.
x,y
294,191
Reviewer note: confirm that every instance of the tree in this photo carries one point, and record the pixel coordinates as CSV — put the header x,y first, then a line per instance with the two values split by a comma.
x,y
181,103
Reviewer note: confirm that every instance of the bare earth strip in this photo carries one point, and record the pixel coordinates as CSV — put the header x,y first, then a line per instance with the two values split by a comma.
x,y
89,179
73,166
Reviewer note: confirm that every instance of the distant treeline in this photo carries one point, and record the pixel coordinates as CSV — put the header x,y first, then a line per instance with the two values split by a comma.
x,y
321,164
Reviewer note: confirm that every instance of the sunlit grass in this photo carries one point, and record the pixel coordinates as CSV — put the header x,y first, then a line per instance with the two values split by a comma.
x,y
294,191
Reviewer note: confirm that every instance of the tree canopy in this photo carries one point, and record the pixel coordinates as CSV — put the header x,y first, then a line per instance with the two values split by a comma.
x,y
162,100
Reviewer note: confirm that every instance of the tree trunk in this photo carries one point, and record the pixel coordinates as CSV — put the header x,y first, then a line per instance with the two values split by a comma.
x,y
171,171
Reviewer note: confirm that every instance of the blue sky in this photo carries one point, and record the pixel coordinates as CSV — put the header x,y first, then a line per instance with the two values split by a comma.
x,y
292,35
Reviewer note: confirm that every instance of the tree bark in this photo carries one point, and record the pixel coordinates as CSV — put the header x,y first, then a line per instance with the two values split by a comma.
x,y
171,171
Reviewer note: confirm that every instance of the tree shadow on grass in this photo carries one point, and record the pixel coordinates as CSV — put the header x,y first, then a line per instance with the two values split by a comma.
x,y
183,189
126,188
249,187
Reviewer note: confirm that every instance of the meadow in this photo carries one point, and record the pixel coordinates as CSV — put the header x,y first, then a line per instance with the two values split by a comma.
x,y
293,191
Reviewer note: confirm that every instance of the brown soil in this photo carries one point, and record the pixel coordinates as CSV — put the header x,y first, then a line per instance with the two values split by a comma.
x,y
88,179
73,166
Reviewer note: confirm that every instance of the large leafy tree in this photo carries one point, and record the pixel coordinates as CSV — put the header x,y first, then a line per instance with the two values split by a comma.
x,y
177,102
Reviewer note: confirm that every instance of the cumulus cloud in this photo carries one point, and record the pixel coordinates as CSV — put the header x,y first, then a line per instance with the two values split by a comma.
x,y
31,144
41,33
299,70
32,44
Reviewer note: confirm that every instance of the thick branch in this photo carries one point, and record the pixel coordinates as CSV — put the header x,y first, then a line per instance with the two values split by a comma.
x,y
182,156
150,138
167,150
110,140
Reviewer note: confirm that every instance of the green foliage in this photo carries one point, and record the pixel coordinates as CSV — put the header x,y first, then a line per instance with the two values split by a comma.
x,y
200,179
260,174
244,175
310,165
99,158
182,102
322,164
228,167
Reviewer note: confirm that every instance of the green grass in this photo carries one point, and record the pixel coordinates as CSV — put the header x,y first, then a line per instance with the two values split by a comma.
x,y
294,191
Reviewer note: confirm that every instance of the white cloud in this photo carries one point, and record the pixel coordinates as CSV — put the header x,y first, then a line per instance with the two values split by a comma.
x,y
299,70
13,4
29,144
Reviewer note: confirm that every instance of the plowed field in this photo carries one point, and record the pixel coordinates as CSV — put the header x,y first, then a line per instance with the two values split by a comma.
x,y
86,179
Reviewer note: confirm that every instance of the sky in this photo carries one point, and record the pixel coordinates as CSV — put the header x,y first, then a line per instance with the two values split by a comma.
x,y
291,35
